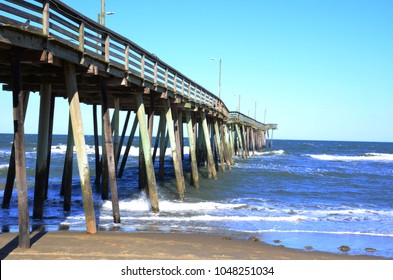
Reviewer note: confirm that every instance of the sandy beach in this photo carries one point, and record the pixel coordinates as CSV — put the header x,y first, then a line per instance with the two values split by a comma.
x,y
68,245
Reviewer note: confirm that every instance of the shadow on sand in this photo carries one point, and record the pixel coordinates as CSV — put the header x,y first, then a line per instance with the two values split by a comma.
x,y
14,243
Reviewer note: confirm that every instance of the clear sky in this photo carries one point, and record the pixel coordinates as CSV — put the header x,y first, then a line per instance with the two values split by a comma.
x,y
321,70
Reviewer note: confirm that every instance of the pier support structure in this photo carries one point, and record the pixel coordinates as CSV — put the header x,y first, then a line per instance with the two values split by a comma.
x,y
19,144
66,55
77,128
146,146
180,183
110,156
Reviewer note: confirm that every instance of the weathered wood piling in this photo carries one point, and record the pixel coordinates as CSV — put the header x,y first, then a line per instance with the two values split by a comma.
x,y
19,145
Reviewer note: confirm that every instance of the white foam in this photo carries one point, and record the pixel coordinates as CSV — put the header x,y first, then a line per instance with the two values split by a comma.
x,y
328,232
271,153
169,206
59,149
210,218
364,157
3,166
142,205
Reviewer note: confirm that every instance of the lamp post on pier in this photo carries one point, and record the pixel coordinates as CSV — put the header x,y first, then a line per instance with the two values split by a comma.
x,y
101,16
219,79
255,108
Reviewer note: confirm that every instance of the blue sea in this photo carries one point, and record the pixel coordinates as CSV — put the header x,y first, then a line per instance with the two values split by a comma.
x,y
309,195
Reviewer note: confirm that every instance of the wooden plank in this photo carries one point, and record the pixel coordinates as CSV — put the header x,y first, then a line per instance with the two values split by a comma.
x,y
83,164
144,134
20,159
20,13
45,18
82,37
27,5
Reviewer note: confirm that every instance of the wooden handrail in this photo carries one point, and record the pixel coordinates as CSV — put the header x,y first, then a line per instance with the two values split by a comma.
x,y
57,20
238,117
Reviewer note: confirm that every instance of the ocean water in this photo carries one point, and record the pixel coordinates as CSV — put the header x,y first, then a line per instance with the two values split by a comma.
x,y
310,195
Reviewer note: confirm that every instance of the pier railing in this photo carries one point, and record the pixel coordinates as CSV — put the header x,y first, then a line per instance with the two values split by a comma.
x,y
54,20
241,118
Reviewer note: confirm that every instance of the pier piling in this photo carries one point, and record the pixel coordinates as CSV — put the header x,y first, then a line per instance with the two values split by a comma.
x,y
9,185
98,169
180,184
192,145
20,158
146,146
128,147
164,138
77,128
42,152
110,157
66,185
210,161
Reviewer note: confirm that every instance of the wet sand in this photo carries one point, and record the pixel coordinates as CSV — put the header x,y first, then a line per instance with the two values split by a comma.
x,y
68,245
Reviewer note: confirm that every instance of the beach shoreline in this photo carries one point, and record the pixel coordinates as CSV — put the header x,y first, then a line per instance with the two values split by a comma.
x,y
73,245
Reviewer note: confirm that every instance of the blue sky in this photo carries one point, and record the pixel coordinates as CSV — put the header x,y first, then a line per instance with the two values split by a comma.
x,y
321,70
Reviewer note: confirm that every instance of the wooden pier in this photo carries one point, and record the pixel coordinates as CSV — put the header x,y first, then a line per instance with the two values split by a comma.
x,y
49,48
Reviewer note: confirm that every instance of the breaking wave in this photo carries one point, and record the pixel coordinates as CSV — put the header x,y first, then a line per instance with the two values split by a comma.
x,y
364,157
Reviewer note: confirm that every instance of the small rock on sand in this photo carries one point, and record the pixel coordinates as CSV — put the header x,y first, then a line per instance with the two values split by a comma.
x,y
371,250
344,248
254,239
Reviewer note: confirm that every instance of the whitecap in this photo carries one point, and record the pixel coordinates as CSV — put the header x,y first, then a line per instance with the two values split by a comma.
x,y
219,218
375,234
271,153
364,157
3,166
141,204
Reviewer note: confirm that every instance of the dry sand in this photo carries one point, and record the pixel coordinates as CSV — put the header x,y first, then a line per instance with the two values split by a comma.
x,y
68,245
